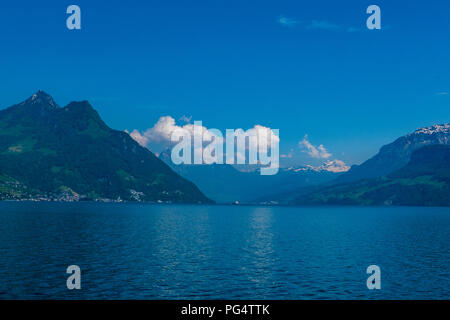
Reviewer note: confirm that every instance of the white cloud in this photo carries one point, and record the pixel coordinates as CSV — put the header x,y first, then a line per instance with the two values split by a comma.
x,y
141,139
318,152
287,22
160,134
162,130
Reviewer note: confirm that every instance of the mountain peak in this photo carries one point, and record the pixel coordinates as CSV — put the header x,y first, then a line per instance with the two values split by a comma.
x,y
437,128
397,154
41,98
335,166
68,154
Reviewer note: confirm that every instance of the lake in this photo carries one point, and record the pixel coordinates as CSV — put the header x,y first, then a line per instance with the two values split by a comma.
x,y
143,251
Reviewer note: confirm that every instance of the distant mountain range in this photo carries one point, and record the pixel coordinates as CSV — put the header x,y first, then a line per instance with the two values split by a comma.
x,y
397,154
424,181
227,183
70,154
413,170
391,177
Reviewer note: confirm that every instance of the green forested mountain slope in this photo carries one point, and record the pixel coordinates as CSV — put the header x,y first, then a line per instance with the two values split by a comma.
x,y
424,181
71,154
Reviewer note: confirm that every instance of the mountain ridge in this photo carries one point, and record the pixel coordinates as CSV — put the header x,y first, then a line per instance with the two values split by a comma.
x,y
424,181
395,155
69,153
228,184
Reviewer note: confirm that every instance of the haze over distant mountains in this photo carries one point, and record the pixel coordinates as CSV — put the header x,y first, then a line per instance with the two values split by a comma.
x,y
388,178
397,154
424,181
70,154
413,170
226,183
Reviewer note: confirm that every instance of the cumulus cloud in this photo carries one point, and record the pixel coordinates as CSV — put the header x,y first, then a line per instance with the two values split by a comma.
x,y
140,138
318,152
162,131
160,134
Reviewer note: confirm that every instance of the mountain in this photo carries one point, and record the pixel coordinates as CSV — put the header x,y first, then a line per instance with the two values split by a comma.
x,y
294,181
221,182
226,184
49,152
423,181
397,154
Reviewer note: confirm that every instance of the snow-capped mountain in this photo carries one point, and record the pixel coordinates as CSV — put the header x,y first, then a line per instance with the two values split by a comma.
x,y
433,130
336,166
228,183
395,155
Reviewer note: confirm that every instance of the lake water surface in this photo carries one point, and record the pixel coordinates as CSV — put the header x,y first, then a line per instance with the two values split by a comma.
x,y
139,251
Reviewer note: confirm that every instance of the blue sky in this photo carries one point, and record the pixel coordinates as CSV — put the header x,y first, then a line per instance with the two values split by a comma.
x,y
304,67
